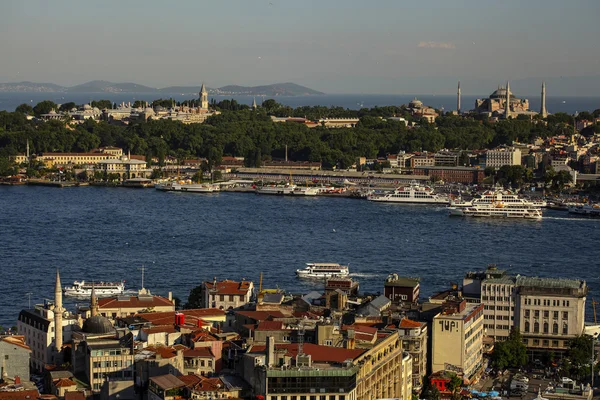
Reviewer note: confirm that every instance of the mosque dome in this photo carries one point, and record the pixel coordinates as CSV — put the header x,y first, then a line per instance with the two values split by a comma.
x,y
98,325
149,110
159,108
96,110
414,103
500,93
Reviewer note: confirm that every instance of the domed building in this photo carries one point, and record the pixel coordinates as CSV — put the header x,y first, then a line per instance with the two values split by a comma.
x,y
98,325
502,102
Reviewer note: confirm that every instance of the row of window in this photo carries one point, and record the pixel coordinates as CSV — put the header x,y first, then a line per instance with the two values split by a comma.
x,y
331,397
111,364
109,352
545,342
536,314
500,308
492,326
498,288
547,302
222,297
546,328
501,317
495,298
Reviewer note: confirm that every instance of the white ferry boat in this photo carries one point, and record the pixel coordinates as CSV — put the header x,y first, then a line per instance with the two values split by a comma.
x,y
188,187
323,270
286,189
588,210
499,204
102,289
414,193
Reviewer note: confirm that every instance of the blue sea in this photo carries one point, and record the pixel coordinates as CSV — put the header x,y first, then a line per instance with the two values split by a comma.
x,y
107,234
9,101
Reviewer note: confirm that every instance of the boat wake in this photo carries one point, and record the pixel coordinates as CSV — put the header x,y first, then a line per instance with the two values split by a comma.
x,y
362,275
573,218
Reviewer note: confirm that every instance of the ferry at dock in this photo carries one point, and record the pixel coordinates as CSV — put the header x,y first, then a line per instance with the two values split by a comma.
x,y
413,194
497,204
323,270
587,210
188,187
102,289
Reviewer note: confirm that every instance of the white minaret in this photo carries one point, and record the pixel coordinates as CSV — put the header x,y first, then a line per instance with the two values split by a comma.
x,y
458,99
507,106
203,98
543,111
254,106
93,302
58,313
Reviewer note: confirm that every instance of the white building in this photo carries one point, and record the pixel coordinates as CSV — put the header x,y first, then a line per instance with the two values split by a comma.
x,y
124,166
503,156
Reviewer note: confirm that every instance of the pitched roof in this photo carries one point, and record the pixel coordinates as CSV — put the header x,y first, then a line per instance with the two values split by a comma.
x,y
162,351
160,329
14,340
75,395
229,287
202,384
138,302
168,317
167,382
64,382
261,315
407,323
270,326
198,352
317,353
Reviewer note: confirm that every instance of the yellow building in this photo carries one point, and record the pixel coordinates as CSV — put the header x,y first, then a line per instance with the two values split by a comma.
x,y
457,338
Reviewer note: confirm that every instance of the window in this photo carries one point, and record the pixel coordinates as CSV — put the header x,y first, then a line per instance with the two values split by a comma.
x,y
536,327
555,314
545,342
536,342
555,328
230,297
555,343
527,314
546,314
537,313
565,329
565,315
222,297
545,327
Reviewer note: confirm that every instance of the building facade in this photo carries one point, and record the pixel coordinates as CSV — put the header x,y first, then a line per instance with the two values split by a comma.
x,y
413,335
457,338
15,356
226,295
503,156
400,289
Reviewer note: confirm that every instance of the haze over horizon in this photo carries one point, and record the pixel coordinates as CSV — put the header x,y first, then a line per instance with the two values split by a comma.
x,y
387,47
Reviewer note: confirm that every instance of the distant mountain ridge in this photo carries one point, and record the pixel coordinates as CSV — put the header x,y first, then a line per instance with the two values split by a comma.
x,y
99,86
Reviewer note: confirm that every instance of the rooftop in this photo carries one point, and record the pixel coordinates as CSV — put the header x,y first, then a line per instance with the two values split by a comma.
x,y
323,354
549,283
229,287
167,382
140,302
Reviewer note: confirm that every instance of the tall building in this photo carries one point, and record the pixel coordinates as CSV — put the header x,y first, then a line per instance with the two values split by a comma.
x,y
549,312
543,111
457,338
503,156
458,99
58,314
203,98
414,341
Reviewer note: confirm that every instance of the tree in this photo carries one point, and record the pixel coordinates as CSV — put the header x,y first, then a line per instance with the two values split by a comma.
x,y
430,392
67,106
455,385
101,104
44,107
24,109
195,298
7,167
511,353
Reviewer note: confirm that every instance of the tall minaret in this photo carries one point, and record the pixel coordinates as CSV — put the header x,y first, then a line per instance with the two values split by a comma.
x,y
203,98
543,111
458,99
93,302
507,106
254,106
58,312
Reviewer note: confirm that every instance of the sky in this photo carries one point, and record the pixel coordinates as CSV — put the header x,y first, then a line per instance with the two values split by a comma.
x,y
370,47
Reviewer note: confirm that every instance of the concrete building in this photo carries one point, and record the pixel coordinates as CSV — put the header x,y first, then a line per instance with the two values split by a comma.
x,y
125,167
226,295
413,335
288,371
15,356
503,156
400,289
123,306
422,160
457,338
446,158
548,311
465,175
38,326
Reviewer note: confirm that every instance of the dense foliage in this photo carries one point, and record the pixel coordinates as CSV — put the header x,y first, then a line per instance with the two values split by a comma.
x,y
252,134
511,353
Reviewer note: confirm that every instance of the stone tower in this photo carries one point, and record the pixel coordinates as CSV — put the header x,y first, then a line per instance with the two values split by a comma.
x,y
543,111
93,303
203,98
507,106
458,99
58,314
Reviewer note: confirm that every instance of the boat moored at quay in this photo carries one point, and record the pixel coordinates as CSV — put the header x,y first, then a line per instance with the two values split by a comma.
x,y
188,187
587,210
323,270
413,194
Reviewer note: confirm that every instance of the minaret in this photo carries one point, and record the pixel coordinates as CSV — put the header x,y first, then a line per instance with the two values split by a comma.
x,y
58,313
458,99
507,105
254,104
203,98
93,302
543,111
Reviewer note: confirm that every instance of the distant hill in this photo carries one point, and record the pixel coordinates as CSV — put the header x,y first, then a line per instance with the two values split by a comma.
x,y
277,89
110,87
31,87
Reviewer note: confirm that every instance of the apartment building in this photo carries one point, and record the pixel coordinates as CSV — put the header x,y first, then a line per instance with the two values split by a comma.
x,y
503,156
226,295
413,335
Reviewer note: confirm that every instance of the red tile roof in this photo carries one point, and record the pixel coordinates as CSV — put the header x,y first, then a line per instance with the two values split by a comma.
x,y
407,323
160,329
74,396
202,384
22,395
64,382
317,353
163,351
229,287
134,302
198,352
203,336
168,317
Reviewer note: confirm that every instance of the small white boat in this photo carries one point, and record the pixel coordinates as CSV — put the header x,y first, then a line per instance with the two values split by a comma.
x,y
102,289
188,187
588,210
285,189
323,270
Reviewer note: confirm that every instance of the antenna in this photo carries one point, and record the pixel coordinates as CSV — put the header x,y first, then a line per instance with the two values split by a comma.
x,y
143,269
29,295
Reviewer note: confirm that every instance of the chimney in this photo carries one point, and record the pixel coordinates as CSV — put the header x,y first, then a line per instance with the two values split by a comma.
x,y
350,339
270,351
179,318
170,296
17,380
